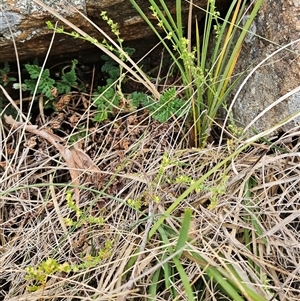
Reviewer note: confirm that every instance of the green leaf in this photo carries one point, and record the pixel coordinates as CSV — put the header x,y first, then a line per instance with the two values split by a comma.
x,y
5,69
183,276
34,70
45,84
153,287
110,67
184,231
167,106
140,99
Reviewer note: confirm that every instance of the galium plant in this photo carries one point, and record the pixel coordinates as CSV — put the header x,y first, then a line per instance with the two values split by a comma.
x,y
39,275
81,216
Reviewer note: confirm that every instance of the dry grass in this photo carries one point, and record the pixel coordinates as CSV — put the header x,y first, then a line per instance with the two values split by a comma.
x,y
128,172
246,214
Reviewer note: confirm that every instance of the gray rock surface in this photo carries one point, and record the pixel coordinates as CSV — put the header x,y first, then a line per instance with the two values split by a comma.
x,y
24,21
276,25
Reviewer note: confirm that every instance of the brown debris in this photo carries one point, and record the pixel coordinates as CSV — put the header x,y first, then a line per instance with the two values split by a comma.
x,y
76,160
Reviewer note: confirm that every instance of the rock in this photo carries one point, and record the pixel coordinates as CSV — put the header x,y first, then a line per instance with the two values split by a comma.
x,y
27,20
276,25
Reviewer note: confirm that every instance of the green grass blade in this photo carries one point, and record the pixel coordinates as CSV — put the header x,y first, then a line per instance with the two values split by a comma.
x,y
231,284
165,9
153,287
184,231
164,17
183,276
179,18
219,41
206,33
217,277
174,39
168,274
232,61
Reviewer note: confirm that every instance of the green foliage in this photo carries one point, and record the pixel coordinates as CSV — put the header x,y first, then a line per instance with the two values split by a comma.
x,y
114,29
68,79
40,274
136,204
186,180
5,79
170,270
79,135
107,97
45,85
110,67
82,218
140,99
167,106
216,190
206,68
41,81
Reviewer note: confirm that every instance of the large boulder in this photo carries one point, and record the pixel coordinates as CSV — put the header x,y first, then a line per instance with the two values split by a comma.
x,y
26,19
276,25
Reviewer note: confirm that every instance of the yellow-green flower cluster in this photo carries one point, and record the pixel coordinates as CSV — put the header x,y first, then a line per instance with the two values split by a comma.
x,y
50,266
82,218
137,204
113,26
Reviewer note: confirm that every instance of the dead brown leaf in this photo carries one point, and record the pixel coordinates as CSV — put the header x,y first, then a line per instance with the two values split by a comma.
x,y
62,102
73,120
31,142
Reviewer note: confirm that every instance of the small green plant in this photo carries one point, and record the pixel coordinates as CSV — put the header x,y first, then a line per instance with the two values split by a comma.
x,y
82,218
216,190
80,134
5,79
108,97
41,82
168,105
136,204
187,180
39,275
